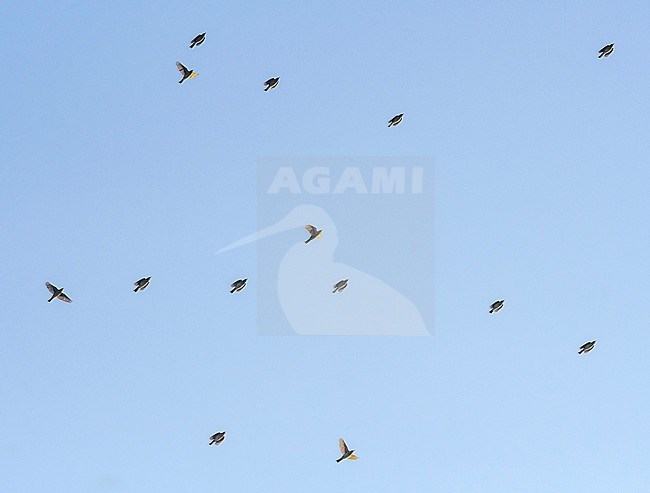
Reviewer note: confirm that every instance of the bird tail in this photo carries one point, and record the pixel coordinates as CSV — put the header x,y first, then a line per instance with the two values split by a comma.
x,y
136,289
581,351
267,88
339,460
180,81
232,290
192,45
491,310
601,55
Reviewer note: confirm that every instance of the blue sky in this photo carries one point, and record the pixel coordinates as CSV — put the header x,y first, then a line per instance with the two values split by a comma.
x,y
111,170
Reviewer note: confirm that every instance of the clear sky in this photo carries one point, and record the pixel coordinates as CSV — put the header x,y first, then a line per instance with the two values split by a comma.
x,y
111,171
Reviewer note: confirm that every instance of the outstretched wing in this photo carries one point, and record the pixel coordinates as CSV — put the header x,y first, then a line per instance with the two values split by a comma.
x,y
311,229
353,457
50,288
65,298
344,448
181,68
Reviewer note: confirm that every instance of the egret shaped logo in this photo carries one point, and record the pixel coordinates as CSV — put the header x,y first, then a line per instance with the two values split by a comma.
x,y
305,277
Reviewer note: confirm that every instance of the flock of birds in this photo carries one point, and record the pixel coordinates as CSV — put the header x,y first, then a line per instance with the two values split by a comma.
x,y
314,233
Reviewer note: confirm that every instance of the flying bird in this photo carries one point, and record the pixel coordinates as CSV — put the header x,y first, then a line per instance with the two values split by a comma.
x,y
238,285
605,51
496,306
395,120
187,74
340,286
198,40
271,83
313,232
217,438
347,453
586,347
57,293
141,284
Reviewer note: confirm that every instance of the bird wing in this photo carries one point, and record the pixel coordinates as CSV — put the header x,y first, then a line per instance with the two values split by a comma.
x,y
234,284
139,281
311,229
197,38
65,298
344,448
353,457
181,68
270,82
50,288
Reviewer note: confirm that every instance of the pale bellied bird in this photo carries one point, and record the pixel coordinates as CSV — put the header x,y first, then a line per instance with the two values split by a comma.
x,y
187,74
347,453
57,293
313,233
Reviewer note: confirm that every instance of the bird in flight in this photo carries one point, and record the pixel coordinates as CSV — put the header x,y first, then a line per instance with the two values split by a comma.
x,y
217,438
395,120
496,306
187,74
340,286
586,347
57,293
313,233
198,40
141,284
606,50
271,83
347,453
238,285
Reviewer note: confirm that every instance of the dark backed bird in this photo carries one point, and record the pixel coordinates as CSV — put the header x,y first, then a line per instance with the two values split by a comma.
x,y
217,438
606,50
271,83
197,41
586,347
395,120
496,306
141,284
238,285
340,286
